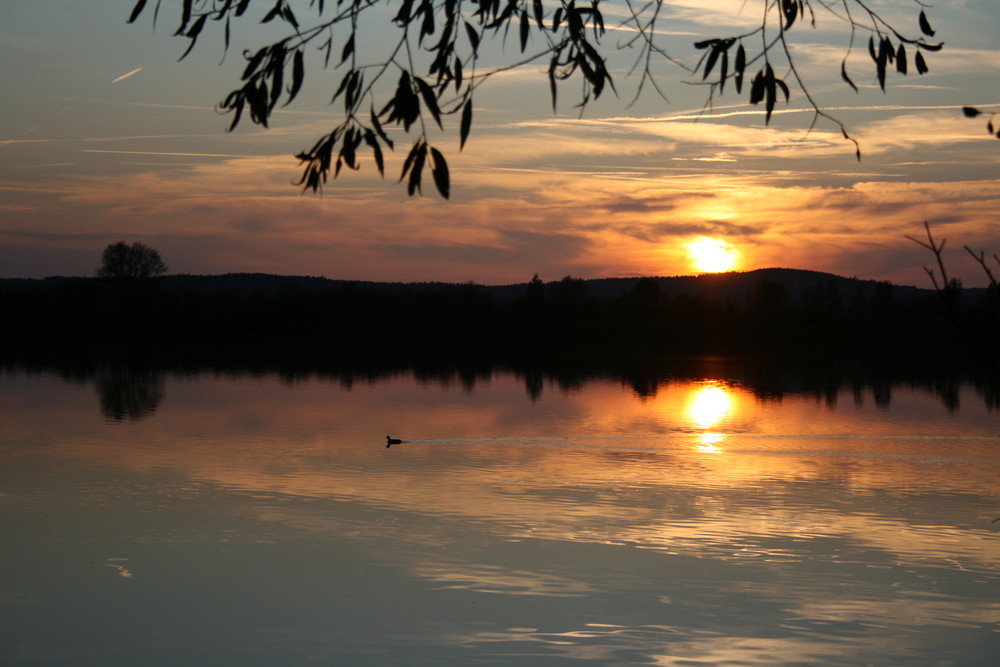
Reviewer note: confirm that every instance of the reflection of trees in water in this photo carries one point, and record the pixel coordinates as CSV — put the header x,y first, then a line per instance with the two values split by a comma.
x,y
131,390
534,383
129,393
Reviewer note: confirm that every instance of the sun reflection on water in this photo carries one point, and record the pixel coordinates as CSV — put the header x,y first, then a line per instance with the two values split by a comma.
x,y
708,406
708,443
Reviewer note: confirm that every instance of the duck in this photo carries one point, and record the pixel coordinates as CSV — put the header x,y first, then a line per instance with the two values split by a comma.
x,y
392,441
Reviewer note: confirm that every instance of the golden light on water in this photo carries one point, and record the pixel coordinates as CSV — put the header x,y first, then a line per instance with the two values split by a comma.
x,y
708,406
708,443
710,255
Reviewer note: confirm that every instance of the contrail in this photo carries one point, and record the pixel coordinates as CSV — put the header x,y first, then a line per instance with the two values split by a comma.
x,y
170,154
125,76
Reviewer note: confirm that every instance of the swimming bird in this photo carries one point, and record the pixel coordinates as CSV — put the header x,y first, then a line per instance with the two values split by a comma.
x,y
391,441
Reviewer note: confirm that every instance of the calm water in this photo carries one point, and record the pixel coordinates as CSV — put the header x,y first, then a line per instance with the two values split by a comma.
x,y
234,519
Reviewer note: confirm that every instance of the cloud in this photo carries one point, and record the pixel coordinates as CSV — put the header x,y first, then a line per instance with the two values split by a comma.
x,y
606,196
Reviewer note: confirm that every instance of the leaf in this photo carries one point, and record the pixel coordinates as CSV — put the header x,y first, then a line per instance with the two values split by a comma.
x,y
343,86
254,62
192,34
771,89
971,112
289,16
136,11
598,21
523,33
378,130
473,36
347,152
713,55
430,100
257,97
901,59
417,170
275,11
843,75
196,28
790,8
234,103
724,71
784,88
372,141
466,124
427,26
403,16
741,64
757,88
277,69
348,49
354,91
439,170
884,48
185,17
552,78
410,157
298,74
920,63
925,25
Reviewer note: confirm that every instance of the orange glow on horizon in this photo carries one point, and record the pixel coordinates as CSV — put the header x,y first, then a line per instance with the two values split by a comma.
x,y
710,255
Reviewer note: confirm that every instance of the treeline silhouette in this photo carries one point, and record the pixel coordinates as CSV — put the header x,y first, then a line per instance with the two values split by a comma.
x,y
767,312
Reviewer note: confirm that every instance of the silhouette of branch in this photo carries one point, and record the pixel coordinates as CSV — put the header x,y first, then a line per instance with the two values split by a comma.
x,y
947,289
992,127
950,289
437,54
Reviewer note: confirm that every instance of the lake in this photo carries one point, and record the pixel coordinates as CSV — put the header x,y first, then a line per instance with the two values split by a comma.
x,y
707,513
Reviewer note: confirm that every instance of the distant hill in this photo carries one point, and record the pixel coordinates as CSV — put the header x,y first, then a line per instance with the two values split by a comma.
x,y
738,285
735,286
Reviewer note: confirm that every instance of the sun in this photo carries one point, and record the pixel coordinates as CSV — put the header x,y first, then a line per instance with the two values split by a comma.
x,y
711,255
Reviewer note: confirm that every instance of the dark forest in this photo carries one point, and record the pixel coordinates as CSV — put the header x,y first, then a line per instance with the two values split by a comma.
x,y
771,312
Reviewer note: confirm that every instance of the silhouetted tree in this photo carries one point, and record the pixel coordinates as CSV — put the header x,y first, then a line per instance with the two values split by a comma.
x,y
427,61
532,304
981,324
536,290
135,261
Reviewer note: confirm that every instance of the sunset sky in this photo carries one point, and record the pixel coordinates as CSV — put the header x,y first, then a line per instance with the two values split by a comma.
x,y
105,136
